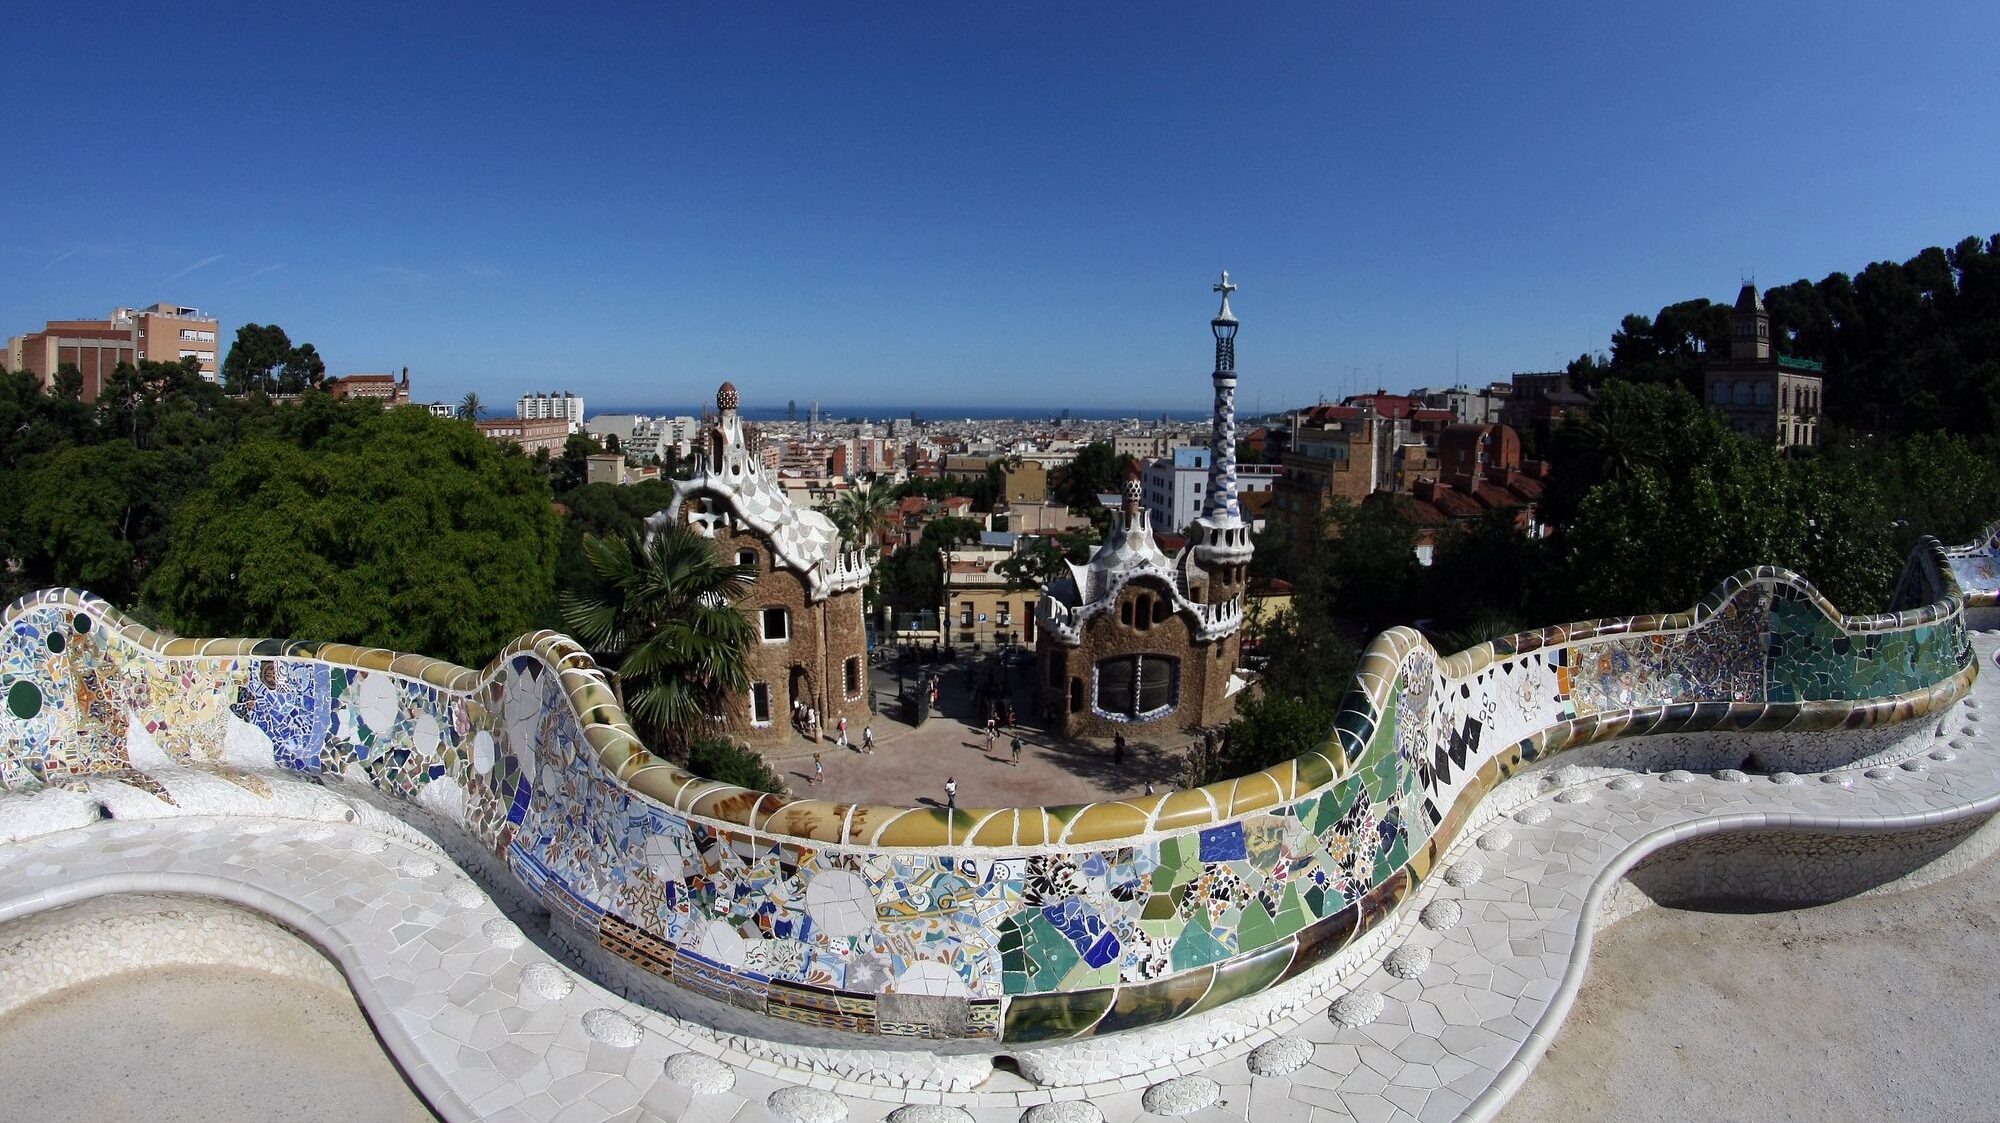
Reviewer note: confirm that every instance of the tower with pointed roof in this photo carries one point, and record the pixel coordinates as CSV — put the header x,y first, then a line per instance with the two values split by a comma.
x,y
1135,640
1764,392
809,644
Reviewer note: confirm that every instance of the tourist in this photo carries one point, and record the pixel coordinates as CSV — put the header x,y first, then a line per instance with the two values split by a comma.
x,y
842,727
1010,715
1118,749
1017,751
812,722
1149,787
951,793
819,770
868,738
992,731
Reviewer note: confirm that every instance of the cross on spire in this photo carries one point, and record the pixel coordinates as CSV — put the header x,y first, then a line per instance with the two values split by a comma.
x,y
1225,286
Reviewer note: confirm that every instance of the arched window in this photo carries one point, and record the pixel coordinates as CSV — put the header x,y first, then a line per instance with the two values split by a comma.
x,y
1742,393
1720,394
1763,393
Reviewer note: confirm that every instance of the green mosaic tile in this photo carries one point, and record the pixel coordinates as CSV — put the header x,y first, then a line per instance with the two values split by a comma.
x,y
1196,948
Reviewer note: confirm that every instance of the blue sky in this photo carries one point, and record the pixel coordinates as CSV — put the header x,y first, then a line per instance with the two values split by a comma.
x,y
975,204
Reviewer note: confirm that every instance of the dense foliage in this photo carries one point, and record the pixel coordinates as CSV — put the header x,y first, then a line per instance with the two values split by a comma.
x,y
390,529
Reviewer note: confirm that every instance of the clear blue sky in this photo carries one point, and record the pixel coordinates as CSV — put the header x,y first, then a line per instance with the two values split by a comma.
x,y
975,204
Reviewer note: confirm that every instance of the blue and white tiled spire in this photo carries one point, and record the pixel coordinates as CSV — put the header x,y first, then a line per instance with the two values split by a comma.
x,y
1221,537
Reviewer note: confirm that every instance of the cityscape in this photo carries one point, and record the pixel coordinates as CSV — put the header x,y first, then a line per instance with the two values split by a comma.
x,y
950,567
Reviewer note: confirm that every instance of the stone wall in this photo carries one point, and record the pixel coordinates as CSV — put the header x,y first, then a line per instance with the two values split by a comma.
x,y
813,661
908,924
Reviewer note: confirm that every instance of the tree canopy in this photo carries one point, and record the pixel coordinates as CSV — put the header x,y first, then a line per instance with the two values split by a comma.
x,y
385,528
263,357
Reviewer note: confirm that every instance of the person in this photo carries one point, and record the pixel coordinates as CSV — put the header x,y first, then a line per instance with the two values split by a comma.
x,y
1017,751
992,730
1149,787
1118,749
812,722
868,738
842,727
1010,715
819,770
951,793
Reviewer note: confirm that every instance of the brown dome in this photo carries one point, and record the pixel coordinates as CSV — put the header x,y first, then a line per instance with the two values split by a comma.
x,y
725,398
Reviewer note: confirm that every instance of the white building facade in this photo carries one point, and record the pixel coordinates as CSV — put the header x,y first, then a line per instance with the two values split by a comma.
x,y
1175,490
541,407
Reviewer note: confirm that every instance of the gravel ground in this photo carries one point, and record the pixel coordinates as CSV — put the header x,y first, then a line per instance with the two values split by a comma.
x,y
1877,1008
202,1044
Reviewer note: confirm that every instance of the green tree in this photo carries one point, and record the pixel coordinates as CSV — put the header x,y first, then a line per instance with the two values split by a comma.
x,y
470,405
95,516
863,513
661,615
716,759
303,370
385,528
255,358
1098,469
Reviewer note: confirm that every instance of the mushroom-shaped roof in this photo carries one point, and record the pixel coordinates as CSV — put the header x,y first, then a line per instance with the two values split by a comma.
x,y
726,398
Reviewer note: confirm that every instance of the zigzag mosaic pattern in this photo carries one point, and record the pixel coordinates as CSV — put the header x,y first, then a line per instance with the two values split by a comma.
x,y
1016,924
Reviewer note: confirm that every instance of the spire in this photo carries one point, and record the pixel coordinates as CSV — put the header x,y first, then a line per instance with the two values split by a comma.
x,y
1220,536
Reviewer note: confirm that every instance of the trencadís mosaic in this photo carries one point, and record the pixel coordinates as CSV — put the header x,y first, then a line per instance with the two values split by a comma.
x,y
1011,924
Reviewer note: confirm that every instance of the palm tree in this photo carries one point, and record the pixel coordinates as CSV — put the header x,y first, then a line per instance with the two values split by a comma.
x,y
862,513
469,407
662,614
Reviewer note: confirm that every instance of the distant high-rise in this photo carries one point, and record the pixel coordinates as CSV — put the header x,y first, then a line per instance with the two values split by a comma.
x,y
540,407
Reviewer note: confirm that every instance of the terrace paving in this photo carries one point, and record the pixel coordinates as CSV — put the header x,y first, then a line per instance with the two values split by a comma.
x,y
911,764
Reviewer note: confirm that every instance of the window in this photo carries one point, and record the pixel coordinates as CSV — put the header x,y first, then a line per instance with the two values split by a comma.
x,y
853,669
747,557
777,625
1763,393
1001,611
1742,393
1137,687
965,615
760,703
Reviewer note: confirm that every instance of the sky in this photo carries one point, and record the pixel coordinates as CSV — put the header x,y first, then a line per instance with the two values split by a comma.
x,y
993,205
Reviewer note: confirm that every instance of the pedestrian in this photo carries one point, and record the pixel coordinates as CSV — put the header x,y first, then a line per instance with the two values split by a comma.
x,y
819,770
1149,787
992,730
1010,715
951,793
1118,749
842,726
868,738
1017,751
812,722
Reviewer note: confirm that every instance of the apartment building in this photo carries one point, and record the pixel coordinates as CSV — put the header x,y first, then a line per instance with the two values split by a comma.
x,y
532,434
161,333
1172,488
541,407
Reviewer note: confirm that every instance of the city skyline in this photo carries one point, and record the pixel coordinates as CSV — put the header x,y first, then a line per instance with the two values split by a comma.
x,y
986,209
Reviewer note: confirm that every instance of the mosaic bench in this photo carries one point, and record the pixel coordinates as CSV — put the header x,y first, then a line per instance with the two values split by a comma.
x,y
824,922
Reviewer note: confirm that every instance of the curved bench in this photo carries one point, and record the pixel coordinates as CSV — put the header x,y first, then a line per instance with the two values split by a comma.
x,y
816,921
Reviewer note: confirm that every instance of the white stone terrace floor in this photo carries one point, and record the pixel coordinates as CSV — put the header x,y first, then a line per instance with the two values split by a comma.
x,y
1441,1020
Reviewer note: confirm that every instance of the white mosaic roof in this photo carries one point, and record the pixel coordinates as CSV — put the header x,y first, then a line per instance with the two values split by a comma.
x,y
730,482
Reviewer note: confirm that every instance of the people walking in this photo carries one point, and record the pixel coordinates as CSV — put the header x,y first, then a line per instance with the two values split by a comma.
x,y
842,727
992,731
1118,749
812,722
1149,787
867,738
1016,762
951,793
819,771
